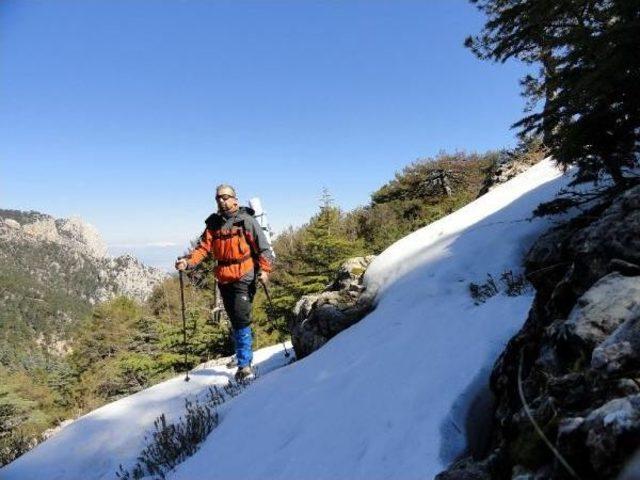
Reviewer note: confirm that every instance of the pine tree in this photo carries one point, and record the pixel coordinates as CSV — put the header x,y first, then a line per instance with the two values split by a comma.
x,y
325,246
589,77
308,258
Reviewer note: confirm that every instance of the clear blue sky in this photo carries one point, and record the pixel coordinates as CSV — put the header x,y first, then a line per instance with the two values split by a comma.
x,y
128,113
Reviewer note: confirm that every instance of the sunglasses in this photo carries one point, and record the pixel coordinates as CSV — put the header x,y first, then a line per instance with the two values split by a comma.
x,y
224,197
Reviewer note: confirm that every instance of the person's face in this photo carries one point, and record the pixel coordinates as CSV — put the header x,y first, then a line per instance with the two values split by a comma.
x,y
226,200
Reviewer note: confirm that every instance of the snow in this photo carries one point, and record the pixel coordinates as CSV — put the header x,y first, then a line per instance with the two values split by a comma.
x,y
399,395
93,446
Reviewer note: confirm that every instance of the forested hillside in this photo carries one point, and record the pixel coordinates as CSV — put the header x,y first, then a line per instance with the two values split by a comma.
x,y
52,273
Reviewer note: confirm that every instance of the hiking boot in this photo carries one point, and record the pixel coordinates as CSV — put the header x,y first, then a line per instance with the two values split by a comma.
x,y
245,374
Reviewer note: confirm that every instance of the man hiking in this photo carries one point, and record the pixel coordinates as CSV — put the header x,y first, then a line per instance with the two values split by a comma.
x,y
237,242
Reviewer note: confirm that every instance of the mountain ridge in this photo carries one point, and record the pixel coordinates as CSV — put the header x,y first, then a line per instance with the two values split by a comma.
x,y
80,245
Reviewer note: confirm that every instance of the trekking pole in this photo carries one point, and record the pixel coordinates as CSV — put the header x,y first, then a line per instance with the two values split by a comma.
x,y
184,326
216,313
266,291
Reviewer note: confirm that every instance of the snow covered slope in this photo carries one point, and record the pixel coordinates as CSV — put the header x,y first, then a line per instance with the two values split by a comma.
x,y
388,398
93,446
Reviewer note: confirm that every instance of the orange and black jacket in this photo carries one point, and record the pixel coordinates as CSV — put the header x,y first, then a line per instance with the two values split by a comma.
x,y
237,243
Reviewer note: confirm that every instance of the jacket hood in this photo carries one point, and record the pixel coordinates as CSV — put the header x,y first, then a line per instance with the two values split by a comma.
x,y
247,210
242,210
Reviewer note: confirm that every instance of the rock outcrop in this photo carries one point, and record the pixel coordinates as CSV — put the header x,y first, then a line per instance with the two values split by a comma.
x,y
126,275
321,316
510,165
577,358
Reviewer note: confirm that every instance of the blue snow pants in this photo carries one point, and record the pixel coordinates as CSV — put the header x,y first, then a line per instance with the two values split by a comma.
x,y
237,298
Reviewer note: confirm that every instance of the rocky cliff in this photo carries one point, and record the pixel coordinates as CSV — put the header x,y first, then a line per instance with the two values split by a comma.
x,y
567,386
55,251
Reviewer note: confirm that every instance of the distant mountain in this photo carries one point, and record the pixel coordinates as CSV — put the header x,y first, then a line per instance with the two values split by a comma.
x,y
51,272
55,250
